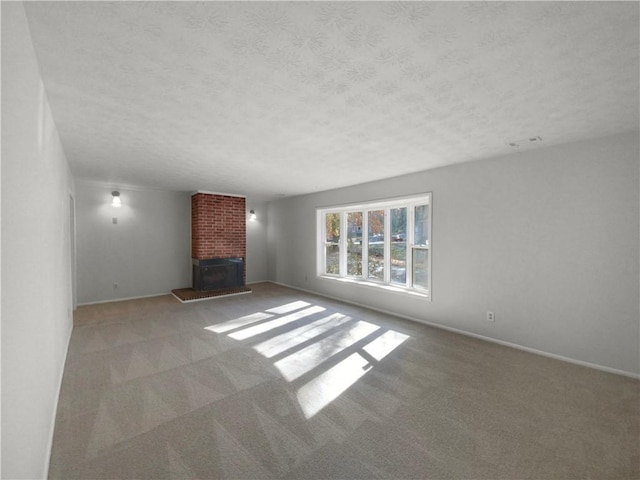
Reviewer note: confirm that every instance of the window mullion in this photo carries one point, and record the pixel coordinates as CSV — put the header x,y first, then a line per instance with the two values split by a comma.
x,y
410,243
365,244
322,227
387,245
343,244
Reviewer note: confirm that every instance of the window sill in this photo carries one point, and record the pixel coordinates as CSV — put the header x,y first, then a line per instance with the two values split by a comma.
x,y
383,286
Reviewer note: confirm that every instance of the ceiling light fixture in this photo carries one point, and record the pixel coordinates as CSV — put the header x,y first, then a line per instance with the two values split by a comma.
x,y
116,202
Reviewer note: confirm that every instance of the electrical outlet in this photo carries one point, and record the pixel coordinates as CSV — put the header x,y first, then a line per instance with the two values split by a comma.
x,y
115,286
491,317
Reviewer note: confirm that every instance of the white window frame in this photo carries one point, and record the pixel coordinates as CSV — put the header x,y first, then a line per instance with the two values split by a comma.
x,y
410,203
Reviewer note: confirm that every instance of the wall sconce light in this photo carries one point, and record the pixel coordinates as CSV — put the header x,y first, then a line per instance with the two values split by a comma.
x,y
116,202
252,215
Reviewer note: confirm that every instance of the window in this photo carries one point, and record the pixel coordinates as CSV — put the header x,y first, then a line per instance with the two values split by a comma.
x,y
332,242
384,243
375,244
354,243
399,245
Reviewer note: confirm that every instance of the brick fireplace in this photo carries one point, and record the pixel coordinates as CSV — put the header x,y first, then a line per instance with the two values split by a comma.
x,y
218,241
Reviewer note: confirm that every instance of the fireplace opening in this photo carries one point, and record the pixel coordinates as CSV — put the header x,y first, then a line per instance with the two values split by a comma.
x,y
216,273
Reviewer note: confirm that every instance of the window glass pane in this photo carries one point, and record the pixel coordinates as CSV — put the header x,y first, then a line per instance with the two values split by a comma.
x,y
332,243
376,244
420,268
421,225
399,245
354,243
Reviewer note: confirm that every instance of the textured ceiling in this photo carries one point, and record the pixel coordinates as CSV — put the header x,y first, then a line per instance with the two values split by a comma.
x,y
268,99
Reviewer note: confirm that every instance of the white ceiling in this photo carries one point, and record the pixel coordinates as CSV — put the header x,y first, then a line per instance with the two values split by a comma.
x,y
268,99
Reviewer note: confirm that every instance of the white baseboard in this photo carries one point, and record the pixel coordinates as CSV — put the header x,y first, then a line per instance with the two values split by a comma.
x,y
153,295
475,335
123,299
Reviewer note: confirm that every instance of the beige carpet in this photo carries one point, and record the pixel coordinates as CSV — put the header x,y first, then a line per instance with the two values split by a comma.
x,y
283,384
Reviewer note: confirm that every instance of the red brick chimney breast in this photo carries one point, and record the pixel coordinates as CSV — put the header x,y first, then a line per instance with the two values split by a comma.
x,y
218,226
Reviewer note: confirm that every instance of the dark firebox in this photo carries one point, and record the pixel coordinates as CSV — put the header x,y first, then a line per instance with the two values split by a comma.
x,y
215,273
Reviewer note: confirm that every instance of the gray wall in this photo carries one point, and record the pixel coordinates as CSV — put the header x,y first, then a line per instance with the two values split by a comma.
x,y
148,252
36,257
548,239
257,243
